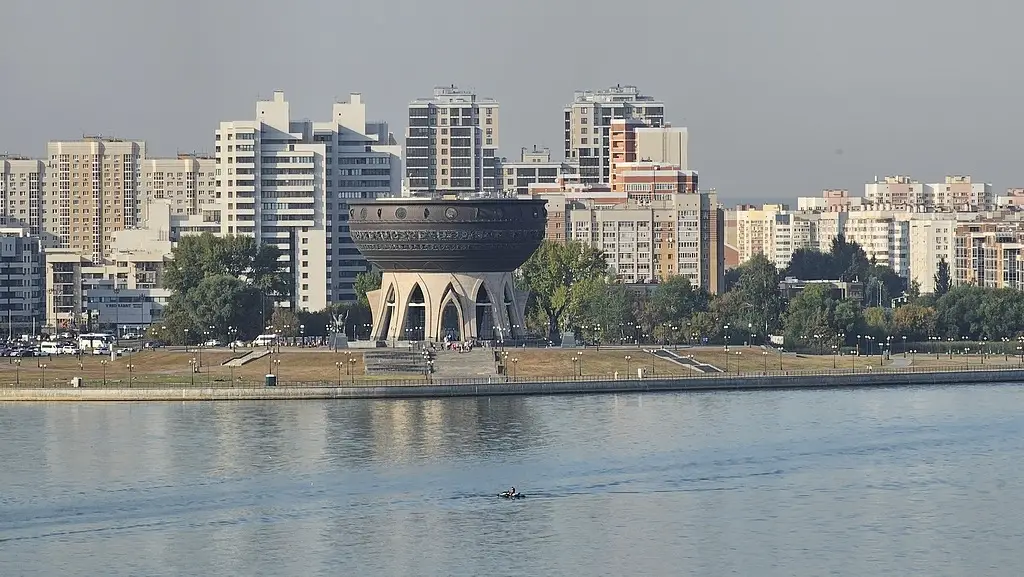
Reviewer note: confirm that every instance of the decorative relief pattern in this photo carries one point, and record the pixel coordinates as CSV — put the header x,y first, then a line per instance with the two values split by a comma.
x,y
377,236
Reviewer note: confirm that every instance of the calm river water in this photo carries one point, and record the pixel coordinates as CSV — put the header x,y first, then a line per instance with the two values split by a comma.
x,y
895,482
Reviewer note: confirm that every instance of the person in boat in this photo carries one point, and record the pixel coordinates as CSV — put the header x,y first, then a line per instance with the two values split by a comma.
x,y
512,492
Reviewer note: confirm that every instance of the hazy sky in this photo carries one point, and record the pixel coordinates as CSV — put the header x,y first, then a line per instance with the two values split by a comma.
x,y
782,97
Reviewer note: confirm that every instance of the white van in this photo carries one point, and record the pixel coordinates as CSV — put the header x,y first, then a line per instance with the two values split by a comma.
x,y
49,348
265,340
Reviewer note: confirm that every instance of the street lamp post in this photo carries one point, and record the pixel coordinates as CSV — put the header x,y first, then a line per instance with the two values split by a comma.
x,y
904,339
765,355
192,371
42,374
339,364
17,372
515,363
103,370
351,368
131,368
575,361
277,371
628,358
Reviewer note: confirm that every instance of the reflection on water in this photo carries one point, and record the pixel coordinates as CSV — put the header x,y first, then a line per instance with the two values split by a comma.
x,y
908,481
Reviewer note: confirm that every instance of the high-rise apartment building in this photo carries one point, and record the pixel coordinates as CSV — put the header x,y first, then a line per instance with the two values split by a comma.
x,y
22,293
588,123
288,182
989,254
21,192
931,241
451,143
91,190
187,183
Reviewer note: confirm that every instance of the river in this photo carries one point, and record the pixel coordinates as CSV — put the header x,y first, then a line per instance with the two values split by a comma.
x,y
900,481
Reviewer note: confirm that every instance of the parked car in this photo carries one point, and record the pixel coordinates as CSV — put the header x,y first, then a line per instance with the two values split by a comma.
x,y
212,343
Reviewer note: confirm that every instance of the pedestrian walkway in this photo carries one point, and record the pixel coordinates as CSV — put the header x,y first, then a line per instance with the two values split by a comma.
x,y
478,362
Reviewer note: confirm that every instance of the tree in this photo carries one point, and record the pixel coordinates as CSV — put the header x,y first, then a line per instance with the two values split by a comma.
x,y
913,321
942,279
366,282
809,316
760,301
199,256
255,266
219,306
675,300
555,274
605,307
284,322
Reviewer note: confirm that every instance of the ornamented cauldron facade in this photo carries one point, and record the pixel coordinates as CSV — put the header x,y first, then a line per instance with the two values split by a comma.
x,y
447,265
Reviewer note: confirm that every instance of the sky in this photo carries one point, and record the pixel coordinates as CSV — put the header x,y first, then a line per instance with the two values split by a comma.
x,y
782,98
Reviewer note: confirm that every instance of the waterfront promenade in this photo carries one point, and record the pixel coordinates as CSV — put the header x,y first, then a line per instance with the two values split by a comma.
x,y
495,386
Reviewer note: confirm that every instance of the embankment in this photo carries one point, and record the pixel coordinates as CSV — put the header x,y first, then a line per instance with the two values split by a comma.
x,y
567,387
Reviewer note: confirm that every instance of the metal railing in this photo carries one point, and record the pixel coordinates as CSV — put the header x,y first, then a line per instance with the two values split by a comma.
x,y
357,382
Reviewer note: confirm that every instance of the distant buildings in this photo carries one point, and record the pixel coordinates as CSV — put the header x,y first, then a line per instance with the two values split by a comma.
x,y
588,124
533,167
451,143
21,192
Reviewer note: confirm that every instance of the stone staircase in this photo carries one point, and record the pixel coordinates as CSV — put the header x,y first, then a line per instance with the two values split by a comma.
x,y
390,361
252,356
455,365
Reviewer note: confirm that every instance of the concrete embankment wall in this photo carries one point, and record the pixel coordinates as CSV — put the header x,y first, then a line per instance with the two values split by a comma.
x,y
517,388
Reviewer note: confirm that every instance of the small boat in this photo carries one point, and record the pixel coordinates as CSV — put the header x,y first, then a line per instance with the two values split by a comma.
x,y
510,495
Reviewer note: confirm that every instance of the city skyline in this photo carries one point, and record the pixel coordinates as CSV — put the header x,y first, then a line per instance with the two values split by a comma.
x,y
780,101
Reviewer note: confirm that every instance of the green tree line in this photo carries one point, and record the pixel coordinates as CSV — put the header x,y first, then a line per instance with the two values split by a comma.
x,y
225,288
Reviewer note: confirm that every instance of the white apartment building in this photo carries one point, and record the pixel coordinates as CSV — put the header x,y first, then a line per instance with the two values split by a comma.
x,y
287,183
21,300
21,192
885,237
451,143
955,193
777,232
534,167
92,189
588,121
931,240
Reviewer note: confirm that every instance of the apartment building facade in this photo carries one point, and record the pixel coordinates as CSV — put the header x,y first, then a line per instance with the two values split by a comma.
x,y
533,167
955,193
288,182
21,276
646,241
187,183
451,143
21,192
91,190
588,122
989,254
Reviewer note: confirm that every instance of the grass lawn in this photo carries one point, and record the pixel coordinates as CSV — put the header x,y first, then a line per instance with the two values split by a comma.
x,y
319,365
163,366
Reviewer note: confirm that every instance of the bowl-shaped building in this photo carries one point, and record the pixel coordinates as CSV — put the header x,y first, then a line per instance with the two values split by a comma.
x,y
447,265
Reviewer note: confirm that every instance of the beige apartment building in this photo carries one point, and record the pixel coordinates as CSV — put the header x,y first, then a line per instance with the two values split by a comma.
x,y
451,143
651,240
187,183
92,189
989,254
21,192
588,123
